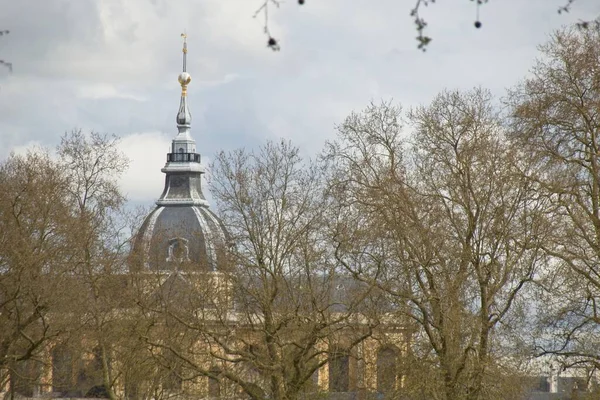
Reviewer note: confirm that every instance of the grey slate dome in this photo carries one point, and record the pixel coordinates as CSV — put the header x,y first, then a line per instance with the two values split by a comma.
x,y
181,233
189,238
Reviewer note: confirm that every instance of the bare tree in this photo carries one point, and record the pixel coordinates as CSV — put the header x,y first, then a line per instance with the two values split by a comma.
x,y
445,224
93,164
67,304
35,245
266,322
555,119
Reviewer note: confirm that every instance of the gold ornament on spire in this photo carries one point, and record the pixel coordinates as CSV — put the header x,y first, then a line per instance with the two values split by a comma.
x,y
184,36
184,78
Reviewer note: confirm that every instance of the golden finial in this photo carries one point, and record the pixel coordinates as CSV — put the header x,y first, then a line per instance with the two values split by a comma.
x,y
184,36
184,78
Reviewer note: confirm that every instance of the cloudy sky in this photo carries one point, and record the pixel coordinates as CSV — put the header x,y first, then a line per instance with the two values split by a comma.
x,y
111,66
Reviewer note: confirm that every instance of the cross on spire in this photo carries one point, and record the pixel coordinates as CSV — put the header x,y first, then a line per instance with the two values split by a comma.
x,y
184,50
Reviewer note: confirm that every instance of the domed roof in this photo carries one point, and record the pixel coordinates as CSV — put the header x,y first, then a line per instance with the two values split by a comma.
x,y
181,233
181,237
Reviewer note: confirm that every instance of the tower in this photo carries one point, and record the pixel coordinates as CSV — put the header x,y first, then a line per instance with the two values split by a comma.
x,y
181,233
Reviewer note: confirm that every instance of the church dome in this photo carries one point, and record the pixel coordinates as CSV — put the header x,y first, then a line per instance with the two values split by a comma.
x,y
181,233
181,237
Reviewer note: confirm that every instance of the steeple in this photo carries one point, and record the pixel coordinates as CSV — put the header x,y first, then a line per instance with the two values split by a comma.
x,y
181,233
183,168
184,118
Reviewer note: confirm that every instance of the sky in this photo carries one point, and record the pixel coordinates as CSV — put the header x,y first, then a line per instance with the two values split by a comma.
x,y
111,66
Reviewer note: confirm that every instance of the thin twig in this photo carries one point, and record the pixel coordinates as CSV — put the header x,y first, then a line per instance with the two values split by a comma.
x,y
264,8
2,62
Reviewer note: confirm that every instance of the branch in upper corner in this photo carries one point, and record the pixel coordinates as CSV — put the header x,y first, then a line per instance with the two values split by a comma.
x,y
419,21
567,7
582,24
2,62
7,65
272,43
421,24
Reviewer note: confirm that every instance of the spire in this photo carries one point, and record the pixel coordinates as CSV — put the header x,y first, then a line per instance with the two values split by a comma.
x,y
184,118
184,36
183,142
184,167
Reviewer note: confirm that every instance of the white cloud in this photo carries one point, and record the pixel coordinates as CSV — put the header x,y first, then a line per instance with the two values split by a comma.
x,y
111,66
105,91
25,148
146,153
227,78
143,181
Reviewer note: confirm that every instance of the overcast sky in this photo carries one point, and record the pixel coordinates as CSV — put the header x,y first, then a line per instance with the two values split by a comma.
x,y
112,65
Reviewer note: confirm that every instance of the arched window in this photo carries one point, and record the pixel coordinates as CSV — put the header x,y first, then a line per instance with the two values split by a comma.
x,y
314,381
214,385
387,369
339,372
62,369
90,373
178,250
24,378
